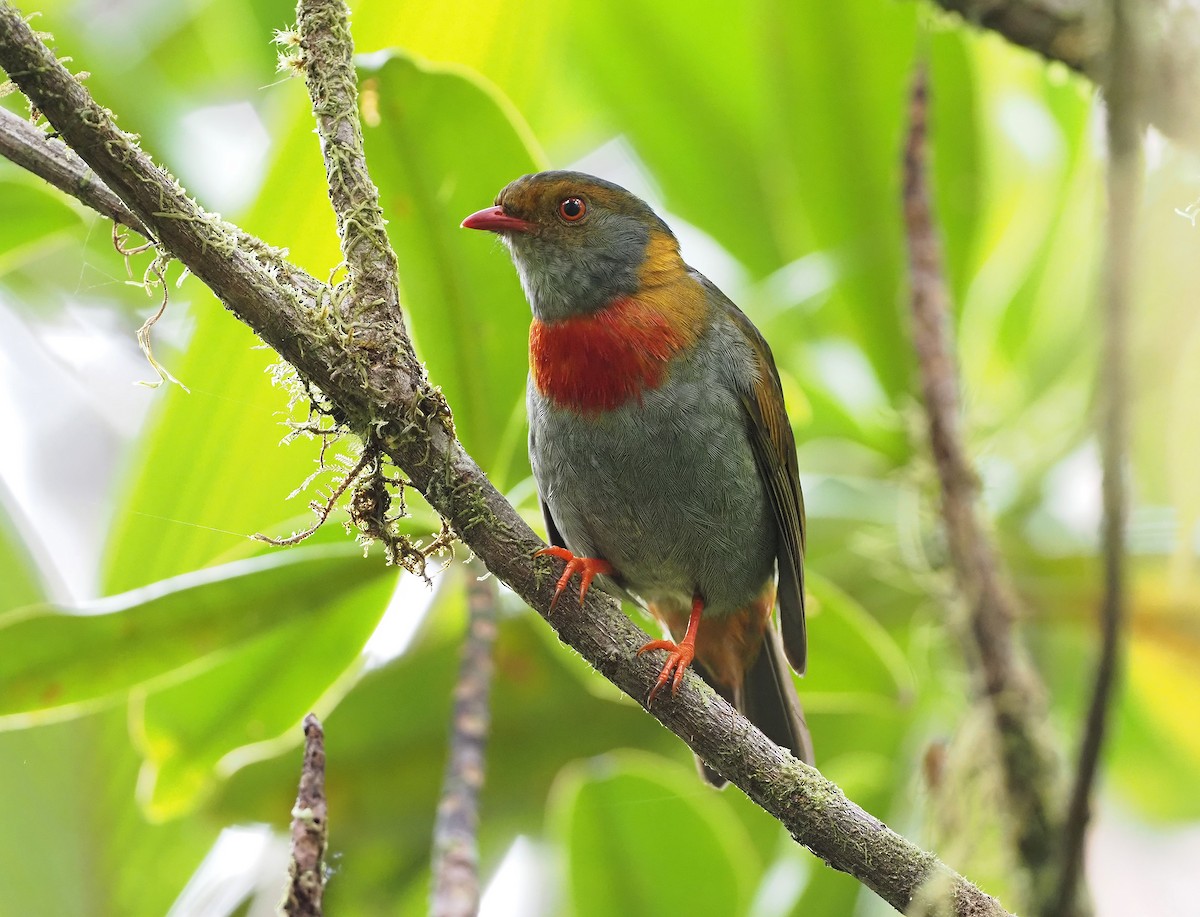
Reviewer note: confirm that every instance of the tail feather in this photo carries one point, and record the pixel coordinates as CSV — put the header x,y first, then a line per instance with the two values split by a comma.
x,y
769,699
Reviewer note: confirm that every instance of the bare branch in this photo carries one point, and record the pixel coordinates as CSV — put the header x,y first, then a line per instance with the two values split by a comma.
x,y
383,394
1124,193
1078,33
1004,679
455,850
310,829
33,150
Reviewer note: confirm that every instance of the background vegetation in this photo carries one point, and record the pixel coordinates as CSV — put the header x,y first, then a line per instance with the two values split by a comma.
x,y
771,139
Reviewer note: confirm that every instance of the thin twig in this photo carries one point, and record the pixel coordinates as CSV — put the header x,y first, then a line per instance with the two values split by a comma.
x,y
322,509
383,394
455,849
32,149
1124,192
1004,678
159,269
310,829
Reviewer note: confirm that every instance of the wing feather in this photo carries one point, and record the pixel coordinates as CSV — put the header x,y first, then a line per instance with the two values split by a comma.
x,y
774,448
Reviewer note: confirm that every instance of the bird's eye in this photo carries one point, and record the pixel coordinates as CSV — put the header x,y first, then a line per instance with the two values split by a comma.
x,y
572,209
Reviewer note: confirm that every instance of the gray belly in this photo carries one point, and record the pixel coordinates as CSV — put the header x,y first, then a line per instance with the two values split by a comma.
x,y
666,490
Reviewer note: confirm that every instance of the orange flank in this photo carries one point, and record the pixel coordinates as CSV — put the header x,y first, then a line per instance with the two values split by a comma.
x,y
726,646
588,569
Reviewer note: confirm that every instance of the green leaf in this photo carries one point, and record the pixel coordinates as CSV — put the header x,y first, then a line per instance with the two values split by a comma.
x,y
632,840
62,661
249,705
522,53
441,144
83,846
31,215
701,121
854,656
1156,758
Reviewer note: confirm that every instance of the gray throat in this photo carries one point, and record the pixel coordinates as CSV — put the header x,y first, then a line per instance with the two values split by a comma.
x,y
562,283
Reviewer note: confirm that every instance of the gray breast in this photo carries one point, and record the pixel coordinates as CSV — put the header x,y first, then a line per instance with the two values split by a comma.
x,y
665,489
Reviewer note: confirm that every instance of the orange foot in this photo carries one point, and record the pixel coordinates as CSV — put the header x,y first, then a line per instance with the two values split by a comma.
x,y
587,568
681,654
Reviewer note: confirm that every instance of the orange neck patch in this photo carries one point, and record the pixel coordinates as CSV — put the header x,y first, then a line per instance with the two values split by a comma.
x,y
597,362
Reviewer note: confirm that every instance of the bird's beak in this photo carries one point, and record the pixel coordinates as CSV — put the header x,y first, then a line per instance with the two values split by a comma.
x,y
494,219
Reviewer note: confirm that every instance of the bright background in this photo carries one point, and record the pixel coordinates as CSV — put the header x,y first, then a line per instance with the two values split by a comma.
x,y
155,747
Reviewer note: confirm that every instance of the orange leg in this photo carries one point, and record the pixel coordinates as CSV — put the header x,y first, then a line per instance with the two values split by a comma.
x,y
681,654
586,567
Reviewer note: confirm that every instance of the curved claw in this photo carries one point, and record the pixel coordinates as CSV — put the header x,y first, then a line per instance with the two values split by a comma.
x,y
588,569
681,656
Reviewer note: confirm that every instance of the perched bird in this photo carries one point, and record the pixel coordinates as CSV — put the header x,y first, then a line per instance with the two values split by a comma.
x,y
663,456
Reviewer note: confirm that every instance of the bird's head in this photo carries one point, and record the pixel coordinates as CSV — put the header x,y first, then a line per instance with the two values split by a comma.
x,y
579,242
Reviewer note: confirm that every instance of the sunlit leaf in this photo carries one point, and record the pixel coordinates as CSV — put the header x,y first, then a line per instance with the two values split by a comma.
x,y
84,847
30,216
1157,755
632,840
196,732
60,660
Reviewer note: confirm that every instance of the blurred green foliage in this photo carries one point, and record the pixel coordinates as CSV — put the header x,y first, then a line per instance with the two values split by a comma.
x,y
128,740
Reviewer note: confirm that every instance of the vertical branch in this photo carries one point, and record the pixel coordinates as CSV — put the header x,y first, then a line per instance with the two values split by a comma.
x,y
1004,678
309,829
327,54
455,851
1124,190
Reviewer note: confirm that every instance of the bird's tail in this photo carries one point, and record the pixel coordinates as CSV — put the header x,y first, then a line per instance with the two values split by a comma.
x,y
767,697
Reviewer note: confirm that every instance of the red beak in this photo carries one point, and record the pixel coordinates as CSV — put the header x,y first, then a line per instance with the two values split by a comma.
x,y
494,219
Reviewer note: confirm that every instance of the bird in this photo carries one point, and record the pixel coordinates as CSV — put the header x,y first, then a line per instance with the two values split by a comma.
x,y
664,460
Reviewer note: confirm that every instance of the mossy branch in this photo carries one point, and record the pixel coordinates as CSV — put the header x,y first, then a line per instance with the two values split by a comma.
x,y
383,394
327,57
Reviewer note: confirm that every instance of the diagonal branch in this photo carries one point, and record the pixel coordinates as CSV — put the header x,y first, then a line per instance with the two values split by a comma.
x,y
1124,191
382,392
1079,33
1005,680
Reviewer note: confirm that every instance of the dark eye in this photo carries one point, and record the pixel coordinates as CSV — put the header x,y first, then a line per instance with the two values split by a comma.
x,y
572,209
